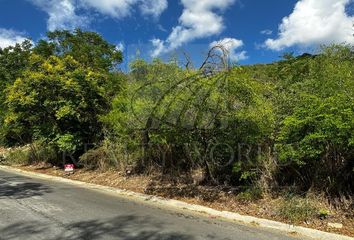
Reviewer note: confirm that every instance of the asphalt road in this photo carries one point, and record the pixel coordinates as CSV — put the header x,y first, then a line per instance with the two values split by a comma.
x,y
41,209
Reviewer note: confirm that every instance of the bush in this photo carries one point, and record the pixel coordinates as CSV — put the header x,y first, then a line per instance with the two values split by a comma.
x,y
45,153
250,194
297,209
95,159
315,141
184,120
108,156
29,154
19,156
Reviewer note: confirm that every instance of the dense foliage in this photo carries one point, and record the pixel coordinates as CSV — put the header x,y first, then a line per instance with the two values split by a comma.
x,y
55,92
181,120
289,123
13,62
58,100
317,133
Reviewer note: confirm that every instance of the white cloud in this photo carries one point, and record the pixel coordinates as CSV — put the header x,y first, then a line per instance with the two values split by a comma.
x,y
266,32
112,8
198,20
153,8
315,22
241,56
120,47
161,28
231,45
10,37
158,47
62,14
123,8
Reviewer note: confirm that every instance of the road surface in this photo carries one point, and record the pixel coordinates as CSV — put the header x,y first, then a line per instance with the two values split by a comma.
x,y
42,209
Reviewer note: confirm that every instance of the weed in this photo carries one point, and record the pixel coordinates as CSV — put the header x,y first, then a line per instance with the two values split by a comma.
x,y
19,156
323,213
297,209
250,194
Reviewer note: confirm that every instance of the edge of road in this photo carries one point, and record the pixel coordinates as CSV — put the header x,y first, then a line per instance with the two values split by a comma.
x,y
230,216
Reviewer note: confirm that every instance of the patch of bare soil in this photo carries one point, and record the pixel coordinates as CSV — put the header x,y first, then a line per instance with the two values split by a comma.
x,y
213,197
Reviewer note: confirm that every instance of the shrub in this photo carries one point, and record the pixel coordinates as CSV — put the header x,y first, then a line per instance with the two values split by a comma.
x,y
250,194
45,153
315,141
19,156
29,154
297,209
183,120
107,156
323,213
95,159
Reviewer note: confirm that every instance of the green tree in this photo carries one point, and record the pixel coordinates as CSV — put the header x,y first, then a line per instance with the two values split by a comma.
x,y
58,100
87,48
13,62
316,137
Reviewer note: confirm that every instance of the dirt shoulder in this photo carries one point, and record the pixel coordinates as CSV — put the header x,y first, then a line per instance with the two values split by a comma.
x,y
213,197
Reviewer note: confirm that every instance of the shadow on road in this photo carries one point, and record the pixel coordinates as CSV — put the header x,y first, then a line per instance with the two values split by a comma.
x,y
18,188
123,227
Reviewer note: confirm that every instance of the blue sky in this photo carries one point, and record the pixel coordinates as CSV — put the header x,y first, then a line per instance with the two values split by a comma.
x,y
254,31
